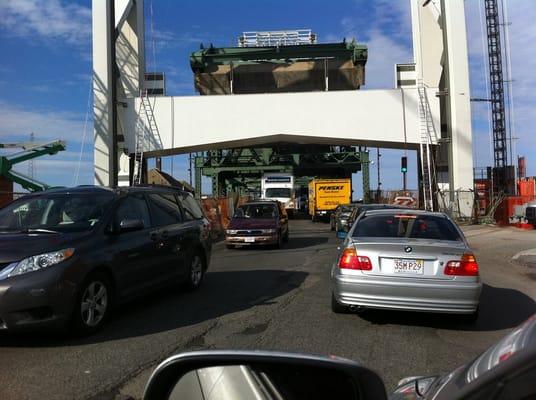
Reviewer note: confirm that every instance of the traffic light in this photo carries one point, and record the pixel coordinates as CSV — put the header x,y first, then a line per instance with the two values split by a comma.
x,y
404,165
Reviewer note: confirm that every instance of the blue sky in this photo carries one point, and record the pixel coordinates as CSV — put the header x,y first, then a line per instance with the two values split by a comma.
x,y
46,65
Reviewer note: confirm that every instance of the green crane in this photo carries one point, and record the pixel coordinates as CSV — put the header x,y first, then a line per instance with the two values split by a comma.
x,y
30,151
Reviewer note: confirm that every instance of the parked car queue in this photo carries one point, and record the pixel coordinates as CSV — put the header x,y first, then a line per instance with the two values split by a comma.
x,y
68,256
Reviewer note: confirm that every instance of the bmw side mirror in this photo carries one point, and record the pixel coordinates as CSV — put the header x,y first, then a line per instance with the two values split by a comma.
x,y
237,375
129,225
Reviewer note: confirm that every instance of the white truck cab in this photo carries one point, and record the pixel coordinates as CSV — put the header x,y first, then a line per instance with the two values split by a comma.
x,y
279,186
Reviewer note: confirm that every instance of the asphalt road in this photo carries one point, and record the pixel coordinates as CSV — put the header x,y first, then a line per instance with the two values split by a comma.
x,y
274,300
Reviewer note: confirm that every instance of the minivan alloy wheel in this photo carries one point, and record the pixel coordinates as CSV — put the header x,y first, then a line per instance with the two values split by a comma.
x,y
196,270
94,303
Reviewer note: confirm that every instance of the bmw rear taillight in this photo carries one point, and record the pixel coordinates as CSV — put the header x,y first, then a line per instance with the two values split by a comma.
x,y
351,260
466,266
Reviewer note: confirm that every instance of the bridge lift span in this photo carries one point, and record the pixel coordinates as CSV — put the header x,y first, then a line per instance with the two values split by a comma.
x,y
428,109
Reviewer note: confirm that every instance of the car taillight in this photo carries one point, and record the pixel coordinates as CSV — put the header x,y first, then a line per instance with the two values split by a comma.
x,y
351,260
467,266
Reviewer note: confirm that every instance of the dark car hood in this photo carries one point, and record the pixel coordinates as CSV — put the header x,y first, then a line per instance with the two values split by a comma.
x,y
252,223
17,246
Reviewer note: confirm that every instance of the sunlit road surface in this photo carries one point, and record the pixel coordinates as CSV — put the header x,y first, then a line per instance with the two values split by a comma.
x,y
276,300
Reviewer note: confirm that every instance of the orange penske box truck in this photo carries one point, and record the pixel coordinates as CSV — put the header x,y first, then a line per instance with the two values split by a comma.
x,y
326,194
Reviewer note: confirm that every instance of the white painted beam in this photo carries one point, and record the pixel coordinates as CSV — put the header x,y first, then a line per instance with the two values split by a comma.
x,y
385,118
102,81
458,106
122,10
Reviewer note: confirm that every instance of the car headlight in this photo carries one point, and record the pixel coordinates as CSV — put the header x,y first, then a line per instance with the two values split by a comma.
x,y
41,261
231,231
268,231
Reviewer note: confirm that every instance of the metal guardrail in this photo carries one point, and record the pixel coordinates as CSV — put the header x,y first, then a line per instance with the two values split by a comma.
x,y
277,38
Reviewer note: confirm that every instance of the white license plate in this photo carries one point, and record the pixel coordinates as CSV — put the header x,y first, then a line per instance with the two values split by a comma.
x,y
249,240
409,266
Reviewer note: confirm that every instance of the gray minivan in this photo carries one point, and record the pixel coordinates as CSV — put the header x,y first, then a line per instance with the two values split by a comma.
x,y
70,255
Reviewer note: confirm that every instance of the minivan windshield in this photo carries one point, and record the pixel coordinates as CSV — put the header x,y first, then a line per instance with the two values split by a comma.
x,y
54,213
406,226
262,211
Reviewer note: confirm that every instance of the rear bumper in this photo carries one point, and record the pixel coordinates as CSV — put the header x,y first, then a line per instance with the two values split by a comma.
x,y
250,240
443,297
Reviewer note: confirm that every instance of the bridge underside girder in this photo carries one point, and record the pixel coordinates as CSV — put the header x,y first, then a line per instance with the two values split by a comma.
x,y
240,170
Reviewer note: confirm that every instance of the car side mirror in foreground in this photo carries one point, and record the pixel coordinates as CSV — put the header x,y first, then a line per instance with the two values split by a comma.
x,y
238,375
128,225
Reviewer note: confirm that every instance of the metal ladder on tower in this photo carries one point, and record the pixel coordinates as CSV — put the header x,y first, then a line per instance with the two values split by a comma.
x,y
426,157
145,124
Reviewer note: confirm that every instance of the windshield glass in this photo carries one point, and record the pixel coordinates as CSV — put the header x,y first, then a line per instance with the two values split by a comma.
x,y
60,212
406,226
278,192
264,211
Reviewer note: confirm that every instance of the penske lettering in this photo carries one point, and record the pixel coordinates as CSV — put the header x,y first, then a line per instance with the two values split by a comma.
x,y
330,187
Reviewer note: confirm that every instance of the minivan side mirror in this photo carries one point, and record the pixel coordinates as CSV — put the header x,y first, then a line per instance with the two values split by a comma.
x,y
129,225
236,375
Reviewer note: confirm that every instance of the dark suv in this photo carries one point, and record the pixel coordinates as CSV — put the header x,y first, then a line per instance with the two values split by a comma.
x,y
69,255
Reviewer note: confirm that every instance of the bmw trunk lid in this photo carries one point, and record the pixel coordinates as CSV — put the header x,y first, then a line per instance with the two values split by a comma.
x,y
409,258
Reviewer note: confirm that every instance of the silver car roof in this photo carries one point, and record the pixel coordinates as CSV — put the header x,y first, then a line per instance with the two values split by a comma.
x,y
403,211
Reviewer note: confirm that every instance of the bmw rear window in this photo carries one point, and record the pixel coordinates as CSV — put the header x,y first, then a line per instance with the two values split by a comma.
x,y
408,226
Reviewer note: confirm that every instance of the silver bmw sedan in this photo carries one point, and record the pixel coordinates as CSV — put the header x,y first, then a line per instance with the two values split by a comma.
x,y
405,260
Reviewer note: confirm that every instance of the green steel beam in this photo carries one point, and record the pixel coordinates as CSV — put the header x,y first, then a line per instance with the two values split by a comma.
x,y
204,58
26,182
7,163
366,176
238,169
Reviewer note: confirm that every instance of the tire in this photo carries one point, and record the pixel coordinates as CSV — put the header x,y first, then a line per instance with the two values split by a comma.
x,y
196,271
331,225
337,307
93,304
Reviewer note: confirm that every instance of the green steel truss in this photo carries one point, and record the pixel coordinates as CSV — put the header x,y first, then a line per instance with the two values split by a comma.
x,y
240,170
203,59
30,151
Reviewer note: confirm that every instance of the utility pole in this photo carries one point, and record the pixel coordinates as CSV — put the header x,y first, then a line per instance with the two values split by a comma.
x,y
378,190
190,167
30,161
